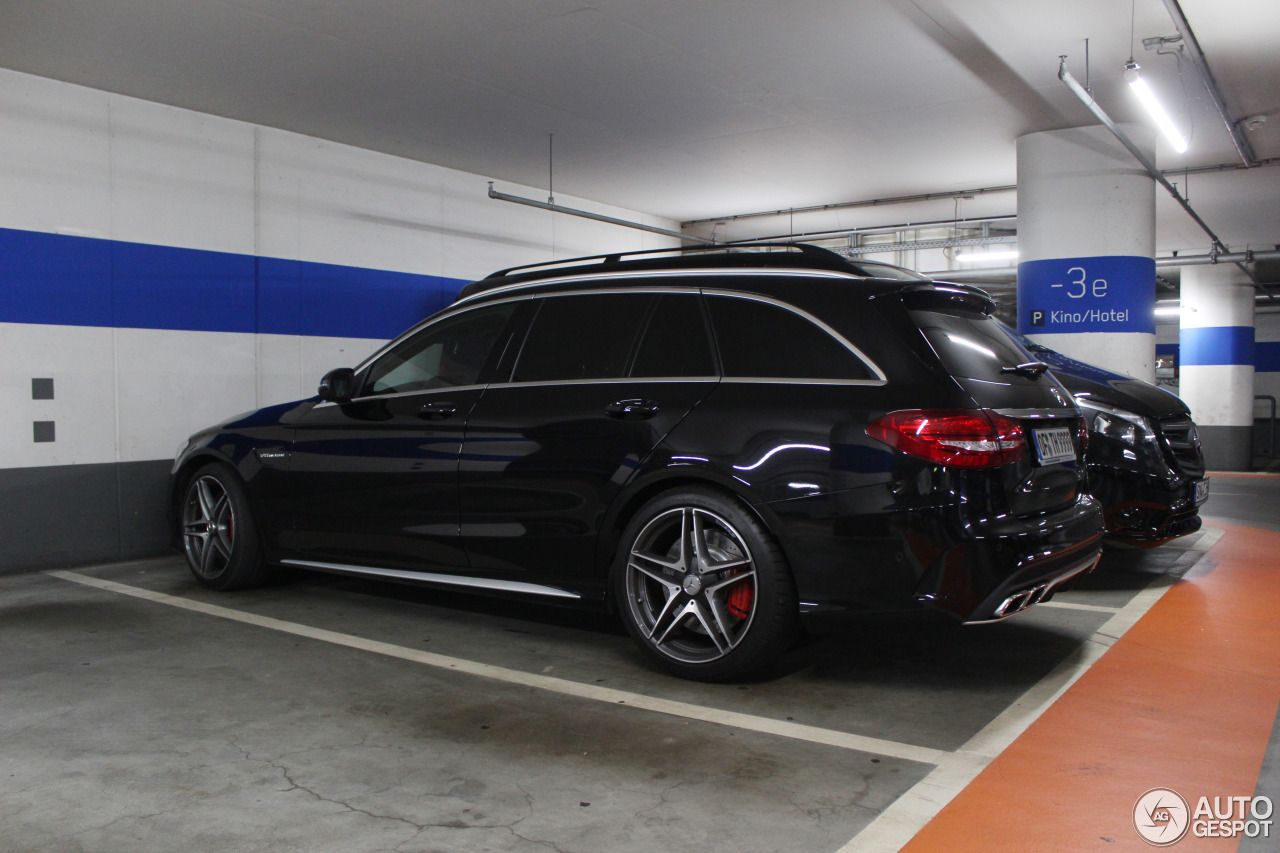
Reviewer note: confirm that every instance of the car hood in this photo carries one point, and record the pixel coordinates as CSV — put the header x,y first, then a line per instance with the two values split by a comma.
x,y
280,414
1114,389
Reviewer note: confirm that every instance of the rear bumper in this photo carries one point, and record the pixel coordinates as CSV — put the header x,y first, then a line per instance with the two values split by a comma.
x,y
1020,600
974,569
1006,566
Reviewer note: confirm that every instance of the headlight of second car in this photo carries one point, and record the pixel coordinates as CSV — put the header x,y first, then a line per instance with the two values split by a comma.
x,y
1115,423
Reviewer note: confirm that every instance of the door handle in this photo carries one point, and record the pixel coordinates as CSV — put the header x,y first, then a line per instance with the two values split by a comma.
x,y
633,410
436,411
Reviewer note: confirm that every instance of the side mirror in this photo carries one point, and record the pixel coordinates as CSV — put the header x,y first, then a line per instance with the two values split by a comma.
x,y
336,386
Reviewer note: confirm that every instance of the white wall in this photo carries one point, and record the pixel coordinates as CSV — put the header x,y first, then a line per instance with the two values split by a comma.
x,y
1266,334
87,163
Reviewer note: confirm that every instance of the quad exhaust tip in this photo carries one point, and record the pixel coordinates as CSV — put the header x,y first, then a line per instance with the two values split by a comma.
x,y
1020,601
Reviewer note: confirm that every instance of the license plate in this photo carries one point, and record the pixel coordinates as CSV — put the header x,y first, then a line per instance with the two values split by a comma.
x,y
1202,491
1054,445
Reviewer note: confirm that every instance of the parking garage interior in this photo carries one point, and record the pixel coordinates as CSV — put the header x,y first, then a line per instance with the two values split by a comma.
x,y
204,208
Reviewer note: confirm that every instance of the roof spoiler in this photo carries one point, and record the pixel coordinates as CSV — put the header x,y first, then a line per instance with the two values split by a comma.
x,y
933,295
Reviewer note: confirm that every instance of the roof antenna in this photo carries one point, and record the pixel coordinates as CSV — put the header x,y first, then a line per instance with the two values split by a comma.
x,y
551,168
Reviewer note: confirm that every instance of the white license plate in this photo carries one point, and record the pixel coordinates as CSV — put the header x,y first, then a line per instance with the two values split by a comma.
x,y
1202,491
1054,445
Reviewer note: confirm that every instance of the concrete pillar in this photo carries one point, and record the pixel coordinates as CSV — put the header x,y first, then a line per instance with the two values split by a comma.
x,y
1086,247
1216,344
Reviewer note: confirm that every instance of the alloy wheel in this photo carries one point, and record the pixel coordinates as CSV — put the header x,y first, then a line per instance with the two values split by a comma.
x,y
691,585
208,527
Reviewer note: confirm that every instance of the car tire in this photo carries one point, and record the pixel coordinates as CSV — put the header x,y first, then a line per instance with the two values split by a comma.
x,y
218,534
703,587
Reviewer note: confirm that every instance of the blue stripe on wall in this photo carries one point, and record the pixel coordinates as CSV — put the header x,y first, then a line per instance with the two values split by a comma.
x,y
1217,345
83,281
1266,356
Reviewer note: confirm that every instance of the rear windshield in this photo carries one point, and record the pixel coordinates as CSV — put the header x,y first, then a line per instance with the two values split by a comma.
x,y
971,345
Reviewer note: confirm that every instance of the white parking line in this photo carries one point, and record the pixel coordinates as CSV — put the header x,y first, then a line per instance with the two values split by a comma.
x,y
894,826
1068,605
908,814
733,719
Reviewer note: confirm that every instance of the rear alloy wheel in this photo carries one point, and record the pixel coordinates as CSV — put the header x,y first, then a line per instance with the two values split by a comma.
x,y
703,588
218,534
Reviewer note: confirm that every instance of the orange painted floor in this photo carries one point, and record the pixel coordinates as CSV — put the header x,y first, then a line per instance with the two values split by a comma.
x,y
1185,700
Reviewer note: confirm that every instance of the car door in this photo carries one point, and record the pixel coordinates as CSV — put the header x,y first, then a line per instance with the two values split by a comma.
x,y
375,479
600,379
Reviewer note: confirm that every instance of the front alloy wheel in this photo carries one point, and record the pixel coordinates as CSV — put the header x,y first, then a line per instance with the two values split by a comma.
x,y
218,533
704,589
208,527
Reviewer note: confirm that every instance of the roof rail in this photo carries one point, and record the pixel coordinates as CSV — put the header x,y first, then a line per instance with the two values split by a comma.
x,y
831,259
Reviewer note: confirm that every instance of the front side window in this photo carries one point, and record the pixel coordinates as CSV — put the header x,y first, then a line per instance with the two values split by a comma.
x,y
760,340
587,336
446,354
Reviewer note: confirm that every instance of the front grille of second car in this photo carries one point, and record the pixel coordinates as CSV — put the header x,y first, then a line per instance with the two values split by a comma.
x,y
1178,435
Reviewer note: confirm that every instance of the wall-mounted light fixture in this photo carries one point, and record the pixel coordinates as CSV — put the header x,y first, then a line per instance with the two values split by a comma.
x,y
1157,111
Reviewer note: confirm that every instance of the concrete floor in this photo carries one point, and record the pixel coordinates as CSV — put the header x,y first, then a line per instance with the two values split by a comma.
x,y
140,724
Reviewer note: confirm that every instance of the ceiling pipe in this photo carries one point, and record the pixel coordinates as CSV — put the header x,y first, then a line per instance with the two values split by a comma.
x,y
1086,98
963,275
905,199
1171,261
1223,167
880,229
598,217
1224,258
872,202
1243,148
955,242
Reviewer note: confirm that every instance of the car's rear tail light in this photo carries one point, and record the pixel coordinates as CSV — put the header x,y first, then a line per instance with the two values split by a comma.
x,y
963,438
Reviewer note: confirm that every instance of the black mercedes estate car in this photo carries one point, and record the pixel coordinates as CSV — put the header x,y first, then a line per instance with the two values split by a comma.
x,y
722,446
1144,461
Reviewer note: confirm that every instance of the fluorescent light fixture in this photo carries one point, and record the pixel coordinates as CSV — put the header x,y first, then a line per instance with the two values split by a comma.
x,y
1148,98
1173,308
983,257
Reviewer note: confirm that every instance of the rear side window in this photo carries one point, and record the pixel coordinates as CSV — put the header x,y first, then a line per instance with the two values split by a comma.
x,y
971,345
590,336
761,340
675,341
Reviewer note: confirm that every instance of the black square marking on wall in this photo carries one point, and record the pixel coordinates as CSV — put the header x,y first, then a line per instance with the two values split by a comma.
x,y
43,430
41,389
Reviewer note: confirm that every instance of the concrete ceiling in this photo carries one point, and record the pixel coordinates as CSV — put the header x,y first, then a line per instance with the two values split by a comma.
x,y
694,108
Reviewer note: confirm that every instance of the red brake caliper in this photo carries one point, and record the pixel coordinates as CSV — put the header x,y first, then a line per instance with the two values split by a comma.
x,y
741,595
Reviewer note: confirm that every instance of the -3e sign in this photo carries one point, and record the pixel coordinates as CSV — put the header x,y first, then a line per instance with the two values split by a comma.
x,y
1108,293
